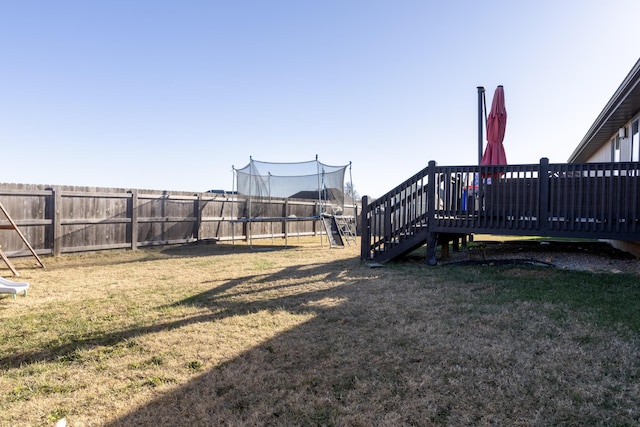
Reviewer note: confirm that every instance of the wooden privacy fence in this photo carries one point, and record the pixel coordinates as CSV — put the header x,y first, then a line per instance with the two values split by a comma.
x,y
64,219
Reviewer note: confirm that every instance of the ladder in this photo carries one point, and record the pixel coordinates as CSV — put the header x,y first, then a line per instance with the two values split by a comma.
x,y
340,229
347,227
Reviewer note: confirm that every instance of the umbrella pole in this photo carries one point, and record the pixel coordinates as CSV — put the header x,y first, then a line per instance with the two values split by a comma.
x,y
480,123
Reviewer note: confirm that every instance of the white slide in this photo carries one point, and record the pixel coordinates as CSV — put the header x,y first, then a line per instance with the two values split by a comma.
x,y
9,287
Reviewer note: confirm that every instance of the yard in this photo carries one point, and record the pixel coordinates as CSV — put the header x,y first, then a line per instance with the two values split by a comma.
x,y
307,335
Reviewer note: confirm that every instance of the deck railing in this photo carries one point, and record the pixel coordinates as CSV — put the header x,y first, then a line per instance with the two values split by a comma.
x,y
587,200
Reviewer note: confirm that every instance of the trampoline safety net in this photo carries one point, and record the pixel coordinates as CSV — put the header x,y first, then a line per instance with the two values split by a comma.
x,y
310,180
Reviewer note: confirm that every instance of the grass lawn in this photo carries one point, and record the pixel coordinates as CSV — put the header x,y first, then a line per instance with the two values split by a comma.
x,y
307,335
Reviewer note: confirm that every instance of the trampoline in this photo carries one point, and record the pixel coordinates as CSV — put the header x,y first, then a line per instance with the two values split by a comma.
x,y
260,182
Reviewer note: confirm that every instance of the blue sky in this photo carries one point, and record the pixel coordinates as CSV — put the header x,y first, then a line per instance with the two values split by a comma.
x,y
170,95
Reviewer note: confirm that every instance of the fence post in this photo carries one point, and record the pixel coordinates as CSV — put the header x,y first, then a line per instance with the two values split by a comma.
x,y
57,222
365,230
197,208
133,214
432,238
543,196
49,214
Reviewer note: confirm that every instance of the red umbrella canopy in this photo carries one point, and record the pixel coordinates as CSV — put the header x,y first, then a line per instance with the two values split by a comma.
x,y
496,126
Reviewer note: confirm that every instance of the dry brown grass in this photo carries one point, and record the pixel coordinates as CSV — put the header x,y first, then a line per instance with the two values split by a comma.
x,y
224,335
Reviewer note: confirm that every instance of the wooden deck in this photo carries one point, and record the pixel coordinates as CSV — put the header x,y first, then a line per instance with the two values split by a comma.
x,y
588,200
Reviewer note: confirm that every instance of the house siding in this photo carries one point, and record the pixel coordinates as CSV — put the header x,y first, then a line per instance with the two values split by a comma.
x,y
603,154
622,110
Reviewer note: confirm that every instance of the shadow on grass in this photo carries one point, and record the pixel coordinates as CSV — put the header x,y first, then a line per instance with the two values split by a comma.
x,y
220,308
406,345
148,254
378,360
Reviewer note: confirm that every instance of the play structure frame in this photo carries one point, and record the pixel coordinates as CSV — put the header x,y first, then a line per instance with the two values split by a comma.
x,y
8,286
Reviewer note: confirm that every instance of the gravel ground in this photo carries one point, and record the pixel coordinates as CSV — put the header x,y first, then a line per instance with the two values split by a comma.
x,y
587,256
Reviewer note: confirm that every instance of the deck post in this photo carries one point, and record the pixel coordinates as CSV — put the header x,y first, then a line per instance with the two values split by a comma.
x,y
365,226
386,227
432,238
543,196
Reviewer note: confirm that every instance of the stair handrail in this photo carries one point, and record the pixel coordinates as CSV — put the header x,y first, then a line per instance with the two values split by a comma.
x,y
386,220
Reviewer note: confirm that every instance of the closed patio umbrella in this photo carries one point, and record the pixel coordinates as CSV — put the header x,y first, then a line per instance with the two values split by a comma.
x,y
496,125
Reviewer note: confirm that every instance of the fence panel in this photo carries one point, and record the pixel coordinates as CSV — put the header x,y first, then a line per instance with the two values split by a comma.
x,y
75,219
